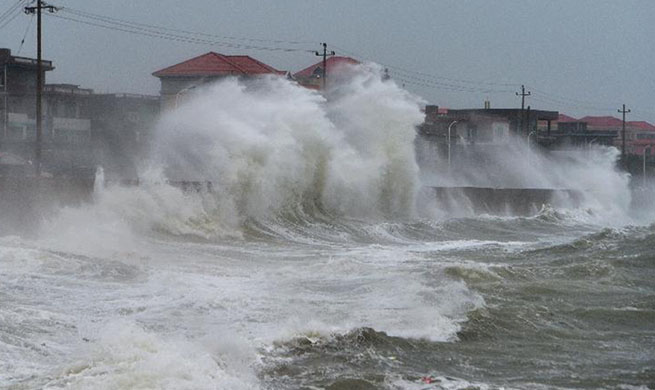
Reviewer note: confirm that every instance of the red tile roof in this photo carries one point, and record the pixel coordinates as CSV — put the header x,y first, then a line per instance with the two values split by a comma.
x,y
215,64
330,64
566,118
641,125
602,121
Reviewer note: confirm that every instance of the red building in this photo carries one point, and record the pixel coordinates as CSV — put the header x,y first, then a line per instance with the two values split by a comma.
x,y
642,137
639,135
311,76
180,78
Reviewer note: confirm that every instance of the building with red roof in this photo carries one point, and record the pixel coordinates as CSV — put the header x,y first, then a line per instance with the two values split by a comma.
x,y
641,125
180,78
602,122
566,118
310,77
639,135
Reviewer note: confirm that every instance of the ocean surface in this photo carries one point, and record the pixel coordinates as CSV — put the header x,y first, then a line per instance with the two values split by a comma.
x,y
315,264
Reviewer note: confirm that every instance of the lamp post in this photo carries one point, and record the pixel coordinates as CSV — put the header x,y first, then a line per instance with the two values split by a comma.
x,y
644,159
449,127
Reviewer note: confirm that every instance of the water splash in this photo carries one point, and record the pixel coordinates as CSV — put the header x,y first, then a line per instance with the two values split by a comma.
x,y
590,172
271,146
99,182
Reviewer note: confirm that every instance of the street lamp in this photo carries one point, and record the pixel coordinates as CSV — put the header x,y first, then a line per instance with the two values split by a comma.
x,y
449,127
644,168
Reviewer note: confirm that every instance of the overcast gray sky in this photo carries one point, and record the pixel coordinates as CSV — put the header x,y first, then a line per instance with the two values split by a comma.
x,y
580,57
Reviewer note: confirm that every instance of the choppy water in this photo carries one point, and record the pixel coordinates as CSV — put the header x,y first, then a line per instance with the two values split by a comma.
x,y
319,271
492,302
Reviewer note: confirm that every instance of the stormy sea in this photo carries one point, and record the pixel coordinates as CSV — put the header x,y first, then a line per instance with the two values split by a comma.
x,y
319,260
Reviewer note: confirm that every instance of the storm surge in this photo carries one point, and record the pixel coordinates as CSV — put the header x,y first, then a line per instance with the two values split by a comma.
x,y
308,257
271,147
275,158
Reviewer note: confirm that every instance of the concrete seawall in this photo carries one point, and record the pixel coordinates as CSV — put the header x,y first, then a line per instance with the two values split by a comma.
x,y
503,201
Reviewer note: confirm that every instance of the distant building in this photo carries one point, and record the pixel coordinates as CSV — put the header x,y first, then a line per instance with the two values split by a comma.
x,y
122,130
177,79
67,146
639,135
311,77
486,125
81,130
571,132
18,84
66,133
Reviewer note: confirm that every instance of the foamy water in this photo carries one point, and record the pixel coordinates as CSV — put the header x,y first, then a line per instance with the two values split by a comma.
x,y
312,263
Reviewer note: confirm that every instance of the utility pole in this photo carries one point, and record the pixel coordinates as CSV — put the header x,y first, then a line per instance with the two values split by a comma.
x,y
325,55
523,94
623,111
40,5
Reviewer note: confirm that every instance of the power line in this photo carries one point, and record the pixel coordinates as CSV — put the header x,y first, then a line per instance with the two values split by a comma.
x,y
11,14
430,80
523,95
445,86
27,29
186,36
549,100
175,37
565,99
325,55
569,105
623,111
576,103
11,9
423,74
108,19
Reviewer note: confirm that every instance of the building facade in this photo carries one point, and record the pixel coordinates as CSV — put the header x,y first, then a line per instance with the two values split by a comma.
x,y
487,125
81,129
179,79
122,130
18,76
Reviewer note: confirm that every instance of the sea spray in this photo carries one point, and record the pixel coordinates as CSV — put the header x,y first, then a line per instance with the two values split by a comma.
x,y
591,172
99,182
270,146
378,123
161,283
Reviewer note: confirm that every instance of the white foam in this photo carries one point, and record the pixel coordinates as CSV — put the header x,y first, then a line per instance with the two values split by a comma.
x,y
125,355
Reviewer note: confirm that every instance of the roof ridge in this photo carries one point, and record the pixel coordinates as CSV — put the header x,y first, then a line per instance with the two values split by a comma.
x,y
180,63
226,59
267,67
